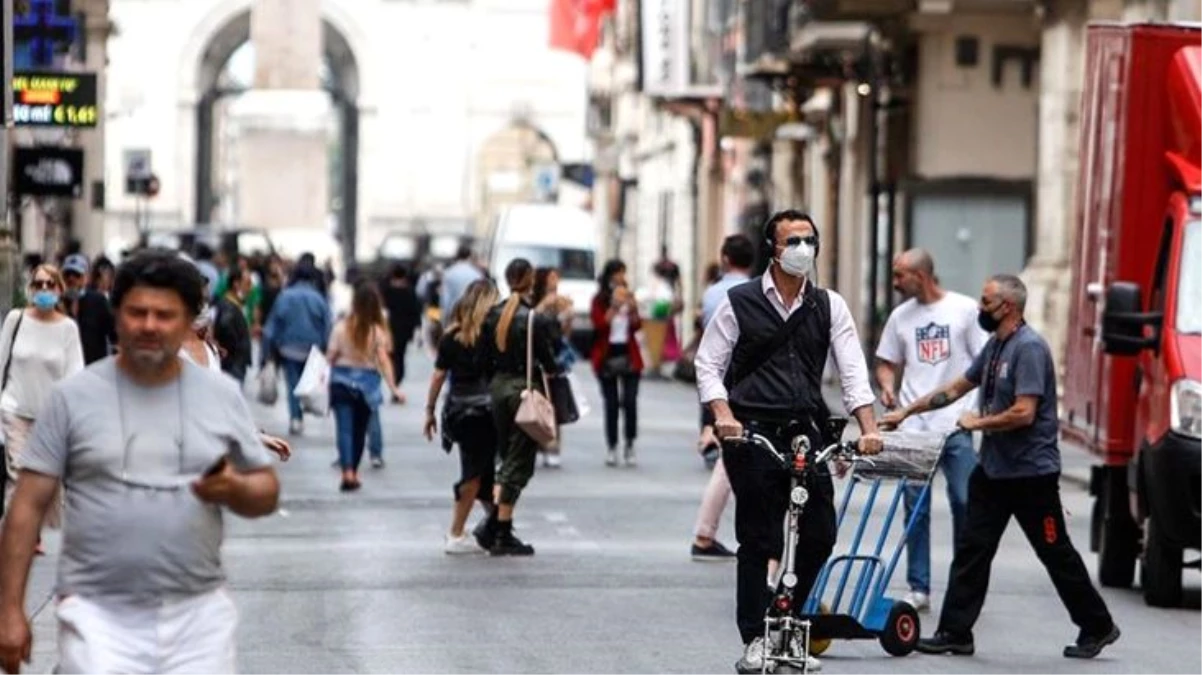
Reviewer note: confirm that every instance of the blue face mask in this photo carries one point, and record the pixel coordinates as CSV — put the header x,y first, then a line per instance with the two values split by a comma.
x,y
45,300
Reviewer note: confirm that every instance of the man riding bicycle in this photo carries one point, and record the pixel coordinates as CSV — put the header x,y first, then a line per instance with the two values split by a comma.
x,y
759,368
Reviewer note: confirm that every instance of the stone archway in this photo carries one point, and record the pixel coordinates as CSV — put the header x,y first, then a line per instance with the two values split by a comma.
x,y
221,33
508,164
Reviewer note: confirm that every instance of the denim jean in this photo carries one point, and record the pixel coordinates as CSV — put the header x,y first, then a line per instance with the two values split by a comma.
x,y
958,461
292,375
351,419
375,436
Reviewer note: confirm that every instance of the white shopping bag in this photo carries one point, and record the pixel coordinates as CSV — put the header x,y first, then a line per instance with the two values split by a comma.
x,y
313,388
268,382
578,394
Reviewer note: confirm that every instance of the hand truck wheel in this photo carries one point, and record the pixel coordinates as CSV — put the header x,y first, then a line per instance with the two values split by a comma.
x,y
901,631
818,646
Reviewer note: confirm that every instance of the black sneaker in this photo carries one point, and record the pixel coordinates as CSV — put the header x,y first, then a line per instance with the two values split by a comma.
x,y
485,531
715,552
508,544
1089,646
946,643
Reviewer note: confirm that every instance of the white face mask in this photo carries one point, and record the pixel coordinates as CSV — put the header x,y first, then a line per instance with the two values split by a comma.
x,y
797,261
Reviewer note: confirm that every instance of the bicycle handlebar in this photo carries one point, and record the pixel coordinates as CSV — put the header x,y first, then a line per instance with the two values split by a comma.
x,y
846,451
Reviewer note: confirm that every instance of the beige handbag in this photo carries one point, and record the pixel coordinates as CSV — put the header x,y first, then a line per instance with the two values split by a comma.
x,y
536,415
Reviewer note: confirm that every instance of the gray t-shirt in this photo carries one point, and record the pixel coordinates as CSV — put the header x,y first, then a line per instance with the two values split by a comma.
x,y
1004,370
126,541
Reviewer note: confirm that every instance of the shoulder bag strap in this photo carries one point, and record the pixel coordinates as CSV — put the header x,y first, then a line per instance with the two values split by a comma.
x,y
8,360
530,350
780,337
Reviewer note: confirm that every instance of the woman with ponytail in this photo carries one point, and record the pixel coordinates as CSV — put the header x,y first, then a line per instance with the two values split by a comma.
x,y
504,335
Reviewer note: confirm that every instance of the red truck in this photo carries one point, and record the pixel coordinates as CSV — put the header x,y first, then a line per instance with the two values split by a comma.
x,y
1132,395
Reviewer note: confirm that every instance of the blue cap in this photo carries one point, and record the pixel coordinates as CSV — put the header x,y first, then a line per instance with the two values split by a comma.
x,y
77,263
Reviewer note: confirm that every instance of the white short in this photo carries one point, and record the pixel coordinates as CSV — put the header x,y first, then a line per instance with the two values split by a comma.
x,y
189,635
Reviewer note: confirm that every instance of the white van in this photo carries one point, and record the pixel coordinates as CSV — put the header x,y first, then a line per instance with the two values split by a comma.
x,y
550,235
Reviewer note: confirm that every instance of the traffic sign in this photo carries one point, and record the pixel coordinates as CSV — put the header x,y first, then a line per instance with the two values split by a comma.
x,y
137,171
546,181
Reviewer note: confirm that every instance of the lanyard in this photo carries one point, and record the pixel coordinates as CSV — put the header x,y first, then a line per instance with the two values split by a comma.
x,y
172,483
992,368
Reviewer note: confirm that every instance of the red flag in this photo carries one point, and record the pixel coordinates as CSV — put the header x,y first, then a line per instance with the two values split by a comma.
x,y
576,24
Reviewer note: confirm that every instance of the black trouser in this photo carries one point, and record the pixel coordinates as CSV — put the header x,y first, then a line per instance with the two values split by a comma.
x,y
628,402
1035,503
398,359
761,488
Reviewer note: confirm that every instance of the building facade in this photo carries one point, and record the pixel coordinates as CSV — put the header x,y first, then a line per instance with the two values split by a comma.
x,y
46,224
420,92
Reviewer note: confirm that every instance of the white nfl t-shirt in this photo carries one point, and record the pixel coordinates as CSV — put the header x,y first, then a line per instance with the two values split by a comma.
x,y
933,344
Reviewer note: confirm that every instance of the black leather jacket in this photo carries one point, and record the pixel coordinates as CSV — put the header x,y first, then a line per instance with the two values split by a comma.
x,y
513,360
232,333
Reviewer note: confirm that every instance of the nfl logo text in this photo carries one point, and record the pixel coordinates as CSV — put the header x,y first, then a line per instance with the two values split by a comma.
x,y
934,343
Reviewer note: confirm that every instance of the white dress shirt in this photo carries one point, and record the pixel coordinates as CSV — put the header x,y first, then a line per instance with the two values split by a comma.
x,y
722,333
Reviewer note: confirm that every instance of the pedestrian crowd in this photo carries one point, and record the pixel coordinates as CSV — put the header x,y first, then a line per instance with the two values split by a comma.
x,y
125,423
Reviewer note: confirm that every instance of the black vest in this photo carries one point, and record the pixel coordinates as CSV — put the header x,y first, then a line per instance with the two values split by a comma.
x,y
787,384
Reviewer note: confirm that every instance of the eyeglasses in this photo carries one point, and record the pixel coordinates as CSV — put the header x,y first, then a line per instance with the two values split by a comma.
x,y
43,285
797,240
153,469
146,460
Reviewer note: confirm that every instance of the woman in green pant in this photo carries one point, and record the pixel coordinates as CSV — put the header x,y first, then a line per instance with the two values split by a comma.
x,y
504,336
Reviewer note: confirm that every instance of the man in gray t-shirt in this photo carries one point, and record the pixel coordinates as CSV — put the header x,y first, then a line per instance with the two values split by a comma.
x,y
1018,477
1019,365
150,448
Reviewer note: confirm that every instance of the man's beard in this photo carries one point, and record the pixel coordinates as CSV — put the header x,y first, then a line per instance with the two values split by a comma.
x,y
149,359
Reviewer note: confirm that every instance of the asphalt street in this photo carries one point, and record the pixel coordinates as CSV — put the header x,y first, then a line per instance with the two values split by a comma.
x,y
342,583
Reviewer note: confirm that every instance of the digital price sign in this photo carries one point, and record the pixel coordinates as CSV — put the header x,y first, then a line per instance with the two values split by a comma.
x,y
54,99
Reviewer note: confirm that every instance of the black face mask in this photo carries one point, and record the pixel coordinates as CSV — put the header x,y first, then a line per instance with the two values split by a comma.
x,y
987,321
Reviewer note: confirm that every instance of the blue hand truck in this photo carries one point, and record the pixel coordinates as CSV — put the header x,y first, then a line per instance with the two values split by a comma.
x,y
857,607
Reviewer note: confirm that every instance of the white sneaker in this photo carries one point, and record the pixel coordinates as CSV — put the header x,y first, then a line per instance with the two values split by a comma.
x,y
813,665
296,427
629,457
464,544
611,457
753,657
918,600
552,461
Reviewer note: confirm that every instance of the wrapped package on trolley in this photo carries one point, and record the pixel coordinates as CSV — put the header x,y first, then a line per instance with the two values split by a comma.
x,y
910,455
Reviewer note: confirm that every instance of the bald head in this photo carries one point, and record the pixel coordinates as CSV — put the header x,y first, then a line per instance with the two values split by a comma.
x,y
914,275
918,260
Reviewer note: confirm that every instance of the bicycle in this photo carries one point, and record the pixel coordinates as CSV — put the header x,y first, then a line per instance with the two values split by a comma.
x,y
787,636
